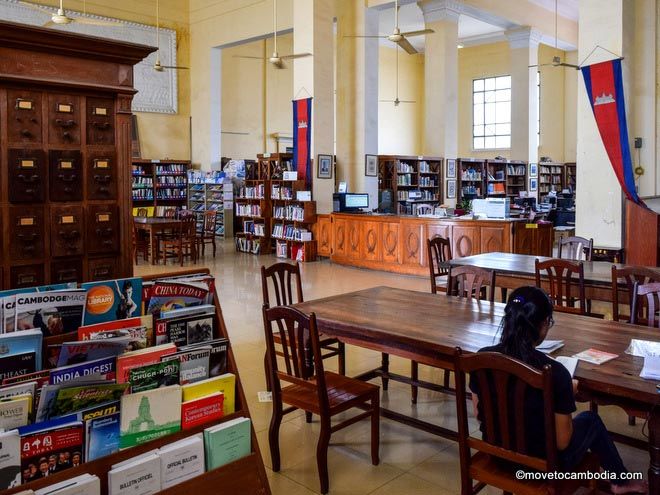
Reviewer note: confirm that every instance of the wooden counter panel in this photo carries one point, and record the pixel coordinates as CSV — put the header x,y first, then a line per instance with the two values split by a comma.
x,y
465,241
371,241
390,238
324,235
413,243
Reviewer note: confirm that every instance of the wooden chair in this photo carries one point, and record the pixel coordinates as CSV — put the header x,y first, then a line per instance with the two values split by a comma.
x,y
309,387
628,276
566,282
183,242
424,209
576,248
503,449
283,276
439,253
646,304
207,235
141,244
169,213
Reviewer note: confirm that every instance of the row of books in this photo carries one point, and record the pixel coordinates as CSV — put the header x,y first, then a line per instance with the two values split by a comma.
x,y
281,249
550,170
258,229
289,232
252,192
471,190
211,177
404,168
496,188
171,193
290,212
196,196
246,245
497,175
248,210
171,180
143,182
281,192
425,167
516,169
162,211
428,182
470,174
139,170
143,194
404,180
171,168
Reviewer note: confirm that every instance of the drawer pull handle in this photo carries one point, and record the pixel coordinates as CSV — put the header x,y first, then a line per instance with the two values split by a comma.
x,y
31,237
70,235
102,178
104,232
28,179
67,178
26,133
65,123
101,125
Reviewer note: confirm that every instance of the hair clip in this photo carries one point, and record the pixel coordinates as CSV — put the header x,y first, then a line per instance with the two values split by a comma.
x,y
518,300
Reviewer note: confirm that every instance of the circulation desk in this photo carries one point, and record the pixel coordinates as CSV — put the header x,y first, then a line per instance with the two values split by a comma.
x,y
398,243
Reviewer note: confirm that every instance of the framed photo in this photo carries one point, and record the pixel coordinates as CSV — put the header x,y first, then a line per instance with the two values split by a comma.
x,y
371,165
533,170
324,169
451,169
451,189
533,184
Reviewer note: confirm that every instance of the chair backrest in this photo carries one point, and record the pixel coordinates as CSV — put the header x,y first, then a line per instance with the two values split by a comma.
x,y
626,277
210,220
503,383
281,276
471,281
301,351
424,209
576,248
647,295
439,252
189,225
169,213
566,284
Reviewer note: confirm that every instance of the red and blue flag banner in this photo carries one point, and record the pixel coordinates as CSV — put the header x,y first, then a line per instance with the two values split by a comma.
x,y
302,139
604,82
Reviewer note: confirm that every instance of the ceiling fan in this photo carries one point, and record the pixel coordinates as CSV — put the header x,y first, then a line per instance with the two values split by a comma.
x,y
396,100
61,18
556,60
397,36
276,59
158,66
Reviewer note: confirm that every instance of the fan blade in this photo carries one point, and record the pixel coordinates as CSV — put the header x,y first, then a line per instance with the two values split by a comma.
x,y
361,36
94,22
564,64
250,57
541,65
407,101
296,55
173,67
417,33
405,44
48,24
36,7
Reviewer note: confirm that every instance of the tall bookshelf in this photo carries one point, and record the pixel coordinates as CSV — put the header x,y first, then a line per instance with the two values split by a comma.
x,y
551,178
571,175
471,173
208,193
516,178
160,183
292,221
413,180
495,179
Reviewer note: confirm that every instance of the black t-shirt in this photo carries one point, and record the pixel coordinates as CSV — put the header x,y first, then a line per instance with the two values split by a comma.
x,y
564,401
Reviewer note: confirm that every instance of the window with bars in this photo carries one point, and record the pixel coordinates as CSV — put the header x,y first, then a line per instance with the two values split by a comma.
x,y
491,113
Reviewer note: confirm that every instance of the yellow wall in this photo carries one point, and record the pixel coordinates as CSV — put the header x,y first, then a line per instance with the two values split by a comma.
x,y
161,136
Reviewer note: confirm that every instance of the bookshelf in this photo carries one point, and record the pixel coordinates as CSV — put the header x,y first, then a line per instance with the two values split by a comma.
x,y
208,192
292,222
551,178
412,180
495,179
571,175
246,475
471,173
516,178
160,183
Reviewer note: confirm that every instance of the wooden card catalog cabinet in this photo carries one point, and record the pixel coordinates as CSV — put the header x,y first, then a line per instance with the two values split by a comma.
x,y
26,227
23,116
102,229
27,175
66,230
63,119
100,121
26,276
63,271
101,176
102,269
65,175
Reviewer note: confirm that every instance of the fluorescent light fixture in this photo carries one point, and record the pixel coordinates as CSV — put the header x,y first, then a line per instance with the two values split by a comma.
x,y
459,46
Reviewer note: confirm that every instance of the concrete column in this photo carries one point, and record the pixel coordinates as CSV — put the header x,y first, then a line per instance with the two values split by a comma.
x,y
313,26
441,77
357,95
524,44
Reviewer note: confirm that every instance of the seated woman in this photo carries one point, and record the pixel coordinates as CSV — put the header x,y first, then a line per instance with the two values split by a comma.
x,y
527,319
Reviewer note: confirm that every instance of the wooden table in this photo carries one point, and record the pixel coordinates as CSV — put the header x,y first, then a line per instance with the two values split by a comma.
x,y
516,270
154,226
427,328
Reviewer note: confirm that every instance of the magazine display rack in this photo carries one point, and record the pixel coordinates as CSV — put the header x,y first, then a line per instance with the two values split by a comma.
x,y
246,475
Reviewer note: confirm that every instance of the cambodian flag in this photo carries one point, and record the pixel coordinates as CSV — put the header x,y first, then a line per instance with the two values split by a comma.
x,y
604,84
302,138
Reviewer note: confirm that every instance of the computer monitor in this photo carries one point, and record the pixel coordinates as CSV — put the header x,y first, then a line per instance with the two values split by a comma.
x,y
525,202
356,201
564,202
550,200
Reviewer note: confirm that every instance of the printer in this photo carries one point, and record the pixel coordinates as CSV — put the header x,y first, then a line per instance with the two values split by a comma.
x,y
491,207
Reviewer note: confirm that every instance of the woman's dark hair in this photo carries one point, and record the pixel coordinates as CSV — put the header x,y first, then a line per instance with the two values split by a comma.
x,y
526,310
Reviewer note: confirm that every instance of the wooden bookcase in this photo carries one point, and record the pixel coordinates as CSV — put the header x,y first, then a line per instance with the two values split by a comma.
x,y
65,155
168,179
471,173
246,475
495,180
411,176
206,196
551,178
282,204
571,175
516,178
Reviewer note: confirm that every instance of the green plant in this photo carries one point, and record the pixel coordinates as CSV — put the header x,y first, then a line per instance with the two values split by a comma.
x,y
466,204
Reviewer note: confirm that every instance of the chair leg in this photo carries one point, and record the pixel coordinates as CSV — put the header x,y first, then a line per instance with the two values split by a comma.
x,y
631,420
414,375
322,454
446,378
503,293
341,357
375,428
213,242
274,435
267,370
385,366
308,417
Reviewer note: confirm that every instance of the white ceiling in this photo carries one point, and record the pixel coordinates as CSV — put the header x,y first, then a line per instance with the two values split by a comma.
x,y
565,8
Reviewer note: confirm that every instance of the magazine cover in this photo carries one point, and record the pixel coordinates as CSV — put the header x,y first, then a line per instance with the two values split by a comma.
x,y
154,376
149,415
15,343
164,296
49,452
8,302
17,364
137,337
87,332
54,312
102,436
190,329
218,357
73,399
113,300
105,367
80,352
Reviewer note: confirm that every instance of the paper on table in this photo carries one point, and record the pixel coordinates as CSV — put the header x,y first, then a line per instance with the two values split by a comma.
x,y
548,346
570,363
595,356
651,368
643,348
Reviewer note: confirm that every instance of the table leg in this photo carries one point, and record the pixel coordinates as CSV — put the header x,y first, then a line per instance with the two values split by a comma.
x,y
152,239
654,451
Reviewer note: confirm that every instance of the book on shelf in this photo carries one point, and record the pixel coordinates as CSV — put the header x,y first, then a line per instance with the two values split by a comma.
x,y
10,459
163,295
112,300
151,355
182,460
85,484
227,442
156,375
139,475
75,352
225,384
15,411
22,353
218,356
139,331
104,366
198,411
102,436
194,364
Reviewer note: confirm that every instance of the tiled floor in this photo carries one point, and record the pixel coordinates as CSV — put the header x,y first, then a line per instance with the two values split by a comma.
x,y
412,462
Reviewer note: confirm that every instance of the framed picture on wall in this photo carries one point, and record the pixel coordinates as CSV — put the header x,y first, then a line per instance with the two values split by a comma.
x,y
533,169
371,165
533,184
451,169
324,170
451,189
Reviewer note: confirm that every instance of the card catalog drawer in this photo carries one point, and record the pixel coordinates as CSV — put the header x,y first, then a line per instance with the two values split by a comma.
x,y
27,175
26,276
102,269
102,228
63,119
26,227
100,121
101,175
65,175
23,116
66,230
62,271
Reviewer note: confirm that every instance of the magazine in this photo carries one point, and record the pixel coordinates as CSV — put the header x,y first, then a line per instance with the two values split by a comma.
x,y
8,302
113,300
54,312
164,296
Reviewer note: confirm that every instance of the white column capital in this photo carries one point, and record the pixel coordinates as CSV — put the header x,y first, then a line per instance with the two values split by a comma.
x,y
523,37
441,10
